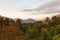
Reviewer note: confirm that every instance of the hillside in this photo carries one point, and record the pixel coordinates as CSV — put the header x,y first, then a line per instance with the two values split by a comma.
x,y
11,29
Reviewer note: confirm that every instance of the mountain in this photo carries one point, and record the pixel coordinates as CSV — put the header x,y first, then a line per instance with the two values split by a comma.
x,y
58,15
28,21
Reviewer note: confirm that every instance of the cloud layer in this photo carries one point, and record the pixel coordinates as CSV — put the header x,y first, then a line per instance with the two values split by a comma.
x,y
48,8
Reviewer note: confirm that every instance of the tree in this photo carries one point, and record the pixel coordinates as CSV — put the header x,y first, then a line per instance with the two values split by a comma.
x,y
1,21
18,22
12,22
6,22
54,20
58,20
47,19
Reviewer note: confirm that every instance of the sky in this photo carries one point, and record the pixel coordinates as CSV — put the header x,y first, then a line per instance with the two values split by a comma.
x,y
28,8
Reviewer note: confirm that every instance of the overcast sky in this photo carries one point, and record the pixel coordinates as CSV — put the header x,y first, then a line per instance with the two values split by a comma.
x,y
27,8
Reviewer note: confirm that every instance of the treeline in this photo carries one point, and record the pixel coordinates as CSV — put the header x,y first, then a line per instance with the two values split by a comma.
x,y
49,29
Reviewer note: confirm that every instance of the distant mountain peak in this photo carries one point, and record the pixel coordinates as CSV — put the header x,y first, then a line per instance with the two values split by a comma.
x,y
29,20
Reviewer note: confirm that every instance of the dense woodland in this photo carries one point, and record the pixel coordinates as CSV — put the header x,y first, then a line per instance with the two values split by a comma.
x,y
48,29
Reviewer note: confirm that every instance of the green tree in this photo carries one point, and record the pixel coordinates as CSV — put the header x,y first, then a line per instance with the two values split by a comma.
x,y
6,21
1,22
18,22
54,20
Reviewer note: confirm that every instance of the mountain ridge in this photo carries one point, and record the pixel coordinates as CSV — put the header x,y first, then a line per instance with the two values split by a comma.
x,y
29,20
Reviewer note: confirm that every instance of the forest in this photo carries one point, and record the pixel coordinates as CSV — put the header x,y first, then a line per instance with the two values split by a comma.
x,y
11,29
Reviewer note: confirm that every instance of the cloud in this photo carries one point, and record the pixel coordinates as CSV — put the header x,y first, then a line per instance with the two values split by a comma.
x,y
29,10
48,8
